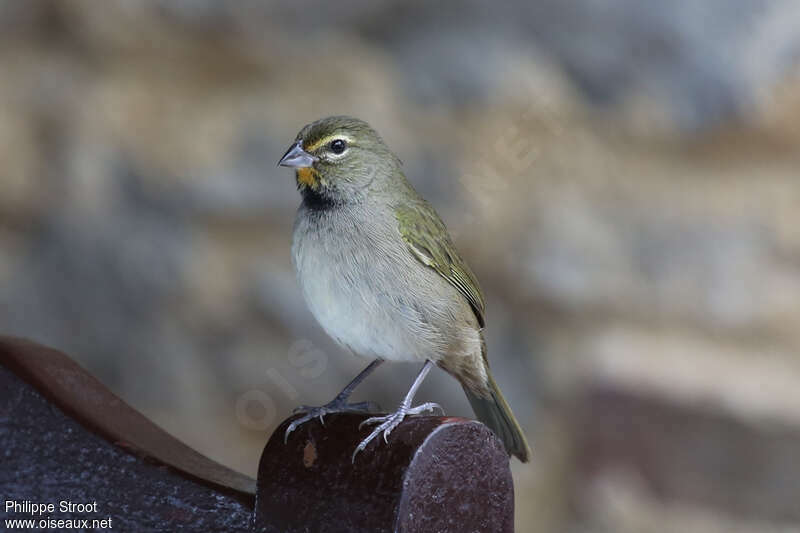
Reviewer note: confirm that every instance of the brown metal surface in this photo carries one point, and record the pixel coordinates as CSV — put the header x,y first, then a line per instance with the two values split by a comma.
x,y
76,392
49,458
436,474
64,436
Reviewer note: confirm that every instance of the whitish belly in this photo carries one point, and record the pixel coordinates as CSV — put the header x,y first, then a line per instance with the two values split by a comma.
x,y
361,302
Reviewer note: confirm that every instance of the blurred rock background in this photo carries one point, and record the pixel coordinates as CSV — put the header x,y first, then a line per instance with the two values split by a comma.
x,y
624,178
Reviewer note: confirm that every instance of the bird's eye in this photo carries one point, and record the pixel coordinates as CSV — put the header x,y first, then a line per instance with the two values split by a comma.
x,y
338,146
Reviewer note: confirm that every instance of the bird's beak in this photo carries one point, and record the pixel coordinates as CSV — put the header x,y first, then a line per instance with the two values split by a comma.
x,y
296,157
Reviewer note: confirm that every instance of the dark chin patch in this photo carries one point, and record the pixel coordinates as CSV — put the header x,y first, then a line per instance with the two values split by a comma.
x,y
317,200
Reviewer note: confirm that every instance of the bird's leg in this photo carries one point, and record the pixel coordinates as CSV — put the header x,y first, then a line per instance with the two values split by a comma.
x,y
387,423
338,404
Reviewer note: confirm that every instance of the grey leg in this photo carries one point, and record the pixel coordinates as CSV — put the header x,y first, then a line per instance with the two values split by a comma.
x,y
338,404
387,423
348,390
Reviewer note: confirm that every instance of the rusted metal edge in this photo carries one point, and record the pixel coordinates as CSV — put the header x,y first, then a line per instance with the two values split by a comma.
x,y
65,383
434,474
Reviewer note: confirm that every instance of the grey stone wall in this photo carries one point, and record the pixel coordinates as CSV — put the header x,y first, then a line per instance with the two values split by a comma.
x,y
623,177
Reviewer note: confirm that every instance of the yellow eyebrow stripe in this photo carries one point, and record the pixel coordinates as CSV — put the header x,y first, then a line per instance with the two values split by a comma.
x,y
317,144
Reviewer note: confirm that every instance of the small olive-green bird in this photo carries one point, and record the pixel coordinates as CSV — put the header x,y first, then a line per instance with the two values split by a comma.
x,y
382,277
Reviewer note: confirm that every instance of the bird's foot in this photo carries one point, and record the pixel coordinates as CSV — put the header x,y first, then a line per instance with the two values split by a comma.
x,y
337,405
387,423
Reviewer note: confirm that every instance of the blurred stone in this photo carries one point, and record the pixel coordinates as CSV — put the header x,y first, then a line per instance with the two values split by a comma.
x,y
690,370
618,503
19,158
693,457
623,180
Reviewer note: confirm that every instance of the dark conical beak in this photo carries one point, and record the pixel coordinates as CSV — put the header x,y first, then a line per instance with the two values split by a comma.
x,y
296,157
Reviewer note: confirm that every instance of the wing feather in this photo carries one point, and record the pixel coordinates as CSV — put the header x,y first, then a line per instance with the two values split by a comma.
x,y
428,240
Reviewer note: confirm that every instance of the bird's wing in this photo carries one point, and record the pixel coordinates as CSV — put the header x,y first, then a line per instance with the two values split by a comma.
x,y
427,238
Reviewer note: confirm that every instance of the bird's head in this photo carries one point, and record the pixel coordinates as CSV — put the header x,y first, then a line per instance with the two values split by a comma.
x,y
339,159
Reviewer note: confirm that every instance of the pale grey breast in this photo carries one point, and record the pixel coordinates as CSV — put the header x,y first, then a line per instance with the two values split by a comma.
x,y
365,288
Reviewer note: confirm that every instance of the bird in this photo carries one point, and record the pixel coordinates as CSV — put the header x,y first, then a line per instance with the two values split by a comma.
x,y
381,275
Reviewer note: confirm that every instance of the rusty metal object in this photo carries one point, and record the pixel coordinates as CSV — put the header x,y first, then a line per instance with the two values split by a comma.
x,y
50,456
65,437
436,474
83,397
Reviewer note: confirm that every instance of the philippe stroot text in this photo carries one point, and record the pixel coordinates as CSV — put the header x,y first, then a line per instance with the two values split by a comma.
x,y
64,514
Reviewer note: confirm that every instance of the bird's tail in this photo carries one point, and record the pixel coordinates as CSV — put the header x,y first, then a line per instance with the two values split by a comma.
x,y
494,411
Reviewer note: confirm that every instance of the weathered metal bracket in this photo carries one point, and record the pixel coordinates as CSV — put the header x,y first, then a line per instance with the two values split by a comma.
x,y
65,437
435,474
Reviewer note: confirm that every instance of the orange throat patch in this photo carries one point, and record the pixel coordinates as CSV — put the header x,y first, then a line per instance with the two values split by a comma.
x,y
308,177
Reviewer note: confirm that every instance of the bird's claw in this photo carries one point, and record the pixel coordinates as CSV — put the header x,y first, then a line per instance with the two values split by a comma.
x,y
339,405
303,409
387,423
